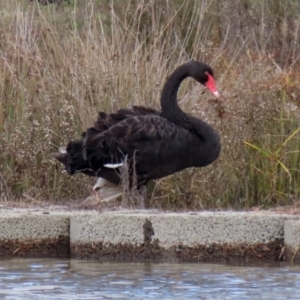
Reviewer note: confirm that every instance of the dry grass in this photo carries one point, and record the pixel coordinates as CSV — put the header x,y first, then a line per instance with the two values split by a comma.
x,y
60,65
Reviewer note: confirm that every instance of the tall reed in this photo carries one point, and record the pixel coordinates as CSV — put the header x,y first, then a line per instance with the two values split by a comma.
x,y
60,65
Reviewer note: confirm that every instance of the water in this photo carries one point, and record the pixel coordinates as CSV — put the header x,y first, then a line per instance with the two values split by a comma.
x,y
73,279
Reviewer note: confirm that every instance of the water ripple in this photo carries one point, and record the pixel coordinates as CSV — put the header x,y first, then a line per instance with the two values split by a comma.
x,y
72,279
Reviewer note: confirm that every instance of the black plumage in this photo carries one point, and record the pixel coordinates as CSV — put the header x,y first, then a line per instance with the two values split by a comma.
x,y
72,156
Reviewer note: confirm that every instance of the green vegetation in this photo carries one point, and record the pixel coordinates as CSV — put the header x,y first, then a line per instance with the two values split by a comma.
x,y
61,64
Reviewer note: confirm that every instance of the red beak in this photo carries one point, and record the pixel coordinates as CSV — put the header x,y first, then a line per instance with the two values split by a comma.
x,y
211,85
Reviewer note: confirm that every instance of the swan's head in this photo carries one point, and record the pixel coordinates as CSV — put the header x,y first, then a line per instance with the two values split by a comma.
x,y
204,74
71,157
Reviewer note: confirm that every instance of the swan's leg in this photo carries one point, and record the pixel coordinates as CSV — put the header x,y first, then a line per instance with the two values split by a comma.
x,y
142,196
103,191
101,182
110,192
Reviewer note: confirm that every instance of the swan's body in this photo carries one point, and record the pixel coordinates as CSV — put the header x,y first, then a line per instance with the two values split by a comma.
x,y
154,144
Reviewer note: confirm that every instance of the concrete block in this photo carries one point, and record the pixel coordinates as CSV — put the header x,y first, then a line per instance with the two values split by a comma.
x,y
219,228
41,226
292,240
180,236
34,235
107,228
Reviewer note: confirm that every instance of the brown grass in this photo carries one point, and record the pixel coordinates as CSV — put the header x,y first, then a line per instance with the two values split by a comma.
x,y
60,65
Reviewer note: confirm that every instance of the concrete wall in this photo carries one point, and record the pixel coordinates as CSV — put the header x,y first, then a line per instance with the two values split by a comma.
x,y
149,235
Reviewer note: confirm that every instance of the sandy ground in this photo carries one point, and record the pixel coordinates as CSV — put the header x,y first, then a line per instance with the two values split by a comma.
x,y
92,203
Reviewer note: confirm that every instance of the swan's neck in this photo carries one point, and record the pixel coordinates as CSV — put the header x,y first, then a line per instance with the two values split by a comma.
x,y
169,105
171,111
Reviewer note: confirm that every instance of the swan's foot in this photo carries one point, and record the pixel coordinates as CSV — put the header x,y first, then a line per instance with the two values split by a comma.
x,y
110,192
142,196
103,191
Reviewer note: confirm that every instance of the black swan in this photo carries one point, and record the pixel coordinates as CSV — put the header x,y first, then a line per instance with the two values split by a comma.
x,y
153,144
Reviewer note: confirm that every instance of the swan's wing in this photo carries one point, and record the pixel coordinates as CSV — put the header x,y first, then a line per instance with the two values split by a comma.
x,y
72,156
126,137
105,121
